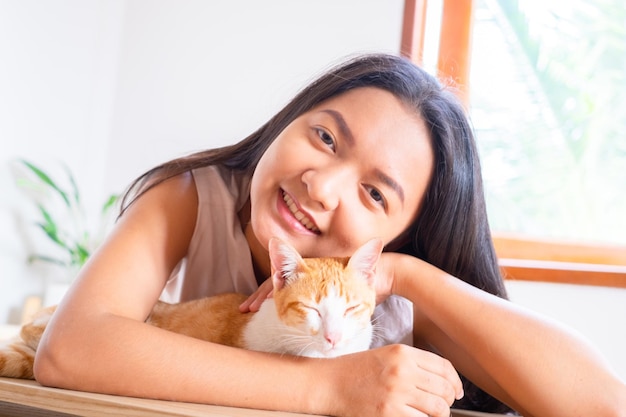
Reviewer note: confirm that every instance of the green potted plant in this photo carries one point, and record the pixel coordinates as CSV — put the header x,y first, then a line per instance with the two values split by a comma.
x,y
63,219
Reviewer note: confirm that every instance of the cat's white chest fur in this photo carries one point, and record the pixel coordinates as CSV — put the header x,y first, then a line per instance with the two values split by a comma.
x,y
325,332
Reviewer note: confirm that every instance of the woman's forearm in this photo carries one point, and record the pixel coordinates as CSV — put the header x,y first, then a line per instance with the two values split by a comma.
x,y
539,366
121,356
124,357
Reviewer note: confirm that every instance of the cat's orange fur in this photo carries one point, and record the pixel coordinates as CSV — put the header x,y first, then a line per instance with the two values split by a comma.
x,y
326,303
17,356
215,319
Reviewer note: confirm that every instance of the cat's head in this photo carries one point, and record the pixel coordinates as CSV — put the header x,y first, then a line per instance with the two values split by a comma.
x,y
325,303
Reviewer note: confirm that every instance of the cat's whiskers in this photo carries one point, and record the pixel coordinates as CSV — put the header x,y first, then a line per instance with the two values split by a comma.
x,y
377,328
291,339
296,344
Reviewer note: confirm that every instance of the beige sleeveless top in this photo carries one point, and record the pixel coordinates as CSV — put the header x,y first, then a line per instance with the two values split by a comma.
x,y
219,259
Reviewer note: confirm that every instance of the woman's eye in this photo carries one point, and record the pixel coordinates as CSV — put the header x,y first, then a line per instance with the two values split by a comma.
x,y
377,196
326,138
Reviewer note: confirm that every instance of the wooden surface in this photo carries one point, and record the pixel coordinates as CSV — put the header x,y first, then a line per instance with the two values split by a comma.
x,y
28,398
564,272
561,262
455,38
25,398
413,30
519,247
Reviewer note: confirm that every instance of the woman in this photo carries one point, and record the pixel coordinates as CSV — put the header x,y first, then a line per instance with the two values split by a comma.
x,y
373,148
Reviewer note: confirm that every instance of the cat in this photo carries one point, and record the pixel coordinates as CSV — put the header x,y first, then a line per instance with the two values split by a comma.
x,y
320,307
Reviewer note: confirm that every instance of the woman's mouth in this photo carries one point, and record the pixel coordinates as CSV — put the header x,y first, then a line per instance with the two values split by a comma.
x,y
299,215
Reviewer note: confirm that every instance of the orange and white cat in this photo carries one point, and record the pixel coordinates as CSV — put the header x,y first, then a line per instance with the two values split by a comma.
x,y
321,307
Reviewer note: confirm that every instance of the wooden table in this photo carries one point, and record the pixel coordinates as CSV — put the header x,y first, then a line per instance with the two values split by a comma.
x,y
26,398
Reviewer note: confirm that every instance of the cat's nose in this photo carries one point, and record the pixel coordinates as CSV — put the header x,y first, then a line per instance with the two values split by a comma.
x,y
332,338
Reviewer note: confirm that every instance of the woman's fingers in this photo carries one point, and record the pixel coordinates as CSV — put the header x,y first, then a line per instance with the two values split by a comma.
x,y
440,375
430,404
253,303
433,381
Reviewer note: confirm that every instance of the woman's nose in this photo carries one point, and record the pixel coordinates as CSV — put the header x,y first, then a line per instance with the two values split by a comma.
x,y
326,186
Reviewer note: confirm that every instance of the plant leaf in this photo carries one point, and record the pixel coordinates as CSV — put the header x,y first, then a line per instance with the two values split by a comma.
x,y
45,178
51,232
110,202
50,228
80,255
74,186
42,258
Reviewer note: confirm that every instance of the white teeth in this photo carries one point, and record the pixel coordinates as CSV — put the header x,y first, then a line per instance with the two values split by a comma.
x,y
302,218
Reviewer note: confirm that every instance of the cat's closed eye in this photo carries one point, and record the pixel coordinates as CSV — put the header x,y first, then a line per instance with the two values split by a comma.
x,y
310,308
352,309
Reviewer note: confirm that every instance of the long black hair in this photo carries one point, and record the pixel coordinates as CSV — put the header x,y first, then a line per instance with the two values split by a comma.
x,y
451,231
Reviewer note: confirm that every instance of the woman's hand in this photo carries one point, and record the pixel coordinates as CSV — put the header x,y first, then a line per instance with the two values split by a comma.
x,y
395,380
253,303
385,282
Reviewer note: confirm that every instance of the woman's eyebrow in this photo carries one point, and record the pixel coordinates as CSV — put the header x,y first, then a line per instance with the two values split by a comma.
x,y
341,123
391,183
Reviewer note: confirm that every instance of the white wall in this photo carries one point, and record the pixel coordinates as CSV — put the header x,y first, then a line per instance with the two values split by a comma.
x,y
598,313
196,74
58,62
112,87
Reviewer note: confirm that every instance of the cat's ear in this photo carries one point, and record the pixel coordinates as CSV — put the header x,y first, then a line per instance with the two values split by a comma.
x,y
284,259
365,258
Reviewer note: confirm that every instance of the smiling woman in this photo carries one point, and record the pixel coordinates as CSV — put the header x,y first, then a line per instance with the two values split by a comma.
x,y
325,174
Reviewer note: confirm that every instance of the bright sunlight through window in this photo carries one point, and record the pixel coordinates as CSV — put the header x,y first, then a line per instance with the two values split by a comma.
x,y
548,103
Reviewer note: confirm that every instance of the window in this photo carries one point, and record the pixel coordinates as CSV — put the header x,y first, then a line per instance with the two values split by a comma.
x,y
548,103
545,85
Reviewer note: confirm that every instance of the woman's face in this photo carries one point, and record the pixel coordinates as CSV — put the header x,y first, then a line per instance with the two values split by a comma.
x,y
353,168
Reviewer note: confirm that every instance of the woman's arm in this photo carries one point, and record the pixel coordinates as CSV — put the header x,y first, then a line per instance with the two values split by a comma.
x,y
535,365
98,341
